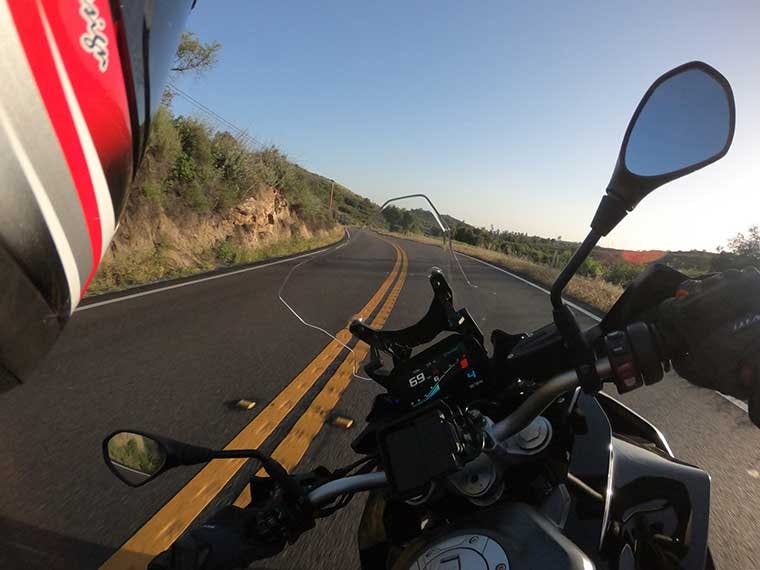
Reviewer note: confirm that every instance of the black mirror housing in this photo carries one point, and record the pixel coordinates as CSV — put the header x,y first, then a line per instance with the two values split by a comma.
x,y
135,467
626,187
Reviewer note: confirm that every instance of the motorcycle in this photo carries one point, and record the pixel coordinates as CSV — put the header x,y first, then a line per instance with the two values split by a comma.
x,y
513,459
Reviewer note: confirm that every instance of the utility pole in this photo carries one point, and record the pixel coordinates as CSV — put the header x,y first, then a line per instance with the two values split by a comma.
x,y
332,189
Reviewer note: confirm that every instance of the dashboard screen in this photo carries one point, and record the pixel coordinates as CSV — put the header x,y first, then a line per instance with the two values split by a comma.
x,y
449,365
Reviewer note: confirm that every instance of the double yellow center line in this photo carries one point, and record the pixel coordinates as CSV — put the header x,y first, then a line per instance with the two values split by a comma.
x,y
176,515
293,447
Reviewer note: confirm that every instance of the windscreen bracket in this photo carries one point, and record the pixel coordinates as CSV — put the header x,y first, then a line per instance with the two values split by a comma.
x,y
399,344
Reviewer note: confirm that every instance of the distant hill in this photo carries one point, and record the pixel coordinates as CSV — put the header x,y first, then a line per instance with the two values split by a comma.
x,y
615,265
425,220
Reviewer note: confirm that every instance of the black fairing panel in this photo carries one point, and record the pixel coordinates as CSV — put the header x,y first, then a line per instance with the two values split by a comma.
x,y
657,513
658,508
626,422
29,327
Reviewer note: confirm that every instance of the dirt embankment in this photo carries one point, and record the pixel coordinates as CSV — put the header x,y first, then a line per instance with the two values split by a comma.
x,y
156,241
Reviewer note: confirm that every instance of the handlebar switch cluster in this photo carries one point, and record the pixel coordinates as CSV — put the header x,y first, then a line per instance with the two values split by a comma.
x,y
623,363
634,357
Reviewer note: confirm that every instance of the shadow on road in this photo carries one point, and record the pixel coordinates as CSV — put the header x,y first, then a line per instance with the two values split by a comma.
x,y
24,546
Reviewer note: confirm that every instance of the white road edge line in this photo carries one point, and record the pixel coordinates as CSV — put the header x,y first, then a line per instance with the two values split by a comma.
x,y
202,279
738,403
573,305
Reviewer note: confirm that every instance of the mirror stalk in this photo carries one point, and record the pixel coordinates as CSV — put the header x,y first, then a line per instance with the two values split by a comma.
x,y
572,266
186,454
273,468
610,213
580,352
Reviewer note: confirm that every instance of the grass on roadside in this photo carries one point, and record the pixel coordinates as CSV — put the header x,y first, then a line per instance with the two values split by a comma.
x,y
231,254
159,265
596,292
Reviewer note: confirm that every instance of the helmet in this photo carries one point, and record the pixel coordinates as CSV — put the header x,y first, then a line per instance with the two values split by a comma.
x,y
80,80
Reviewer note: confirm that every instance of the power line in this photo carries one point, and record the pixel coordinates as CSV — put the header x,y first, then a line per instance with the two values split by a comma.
x,y
193,101
204,108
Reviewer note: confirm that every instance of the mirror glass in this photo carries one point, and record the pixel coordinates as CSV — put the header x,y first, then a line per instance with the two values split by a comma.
x,y
135,458
685,121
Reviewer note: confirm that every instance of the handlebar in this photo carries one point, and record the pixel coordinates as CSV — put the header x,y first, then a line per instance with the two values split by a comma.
x,y
512,424
624,359
539,400
329,491
633,358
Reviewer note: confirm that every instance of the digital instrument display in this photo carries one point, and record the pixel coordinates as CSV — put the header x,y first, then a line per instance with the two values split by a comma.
x,y
449,366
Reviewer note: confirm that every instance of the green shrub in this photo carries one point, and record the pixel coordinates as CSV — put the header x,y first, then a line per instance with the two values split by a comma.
x,y
153,191
622,273
226,253
214,171
591,268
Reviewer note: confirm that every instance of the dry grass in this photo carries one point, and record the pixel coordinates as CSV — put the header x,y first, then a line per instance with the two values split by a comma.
x,y
294,244
149,266
597,293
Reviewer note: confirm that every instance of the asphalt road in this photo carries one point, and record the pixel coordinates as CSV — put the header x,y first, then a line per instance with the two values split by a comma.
x,y
170,362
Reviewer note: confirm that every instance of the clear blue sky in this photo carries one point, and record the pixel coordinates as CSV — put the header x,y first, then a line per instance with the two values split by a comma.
x,y
506,113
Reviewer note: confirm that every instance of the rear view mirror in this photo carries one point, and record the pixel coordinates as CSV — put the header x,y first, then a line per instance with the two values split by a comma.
x,y
684,122
134,458
137,457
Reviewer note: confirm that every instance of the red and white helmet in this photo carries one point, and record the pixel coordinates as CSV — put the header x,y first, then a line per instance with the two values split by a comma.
x,y
79,82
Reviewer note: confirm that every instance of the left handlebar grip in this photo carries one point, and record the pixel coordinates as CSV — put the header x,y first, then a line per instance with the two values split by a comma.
x,y
228,540
185,554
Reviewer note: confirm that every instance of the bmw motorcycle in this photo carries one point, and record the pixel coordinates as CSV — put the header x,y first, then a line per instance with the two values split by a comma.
x,y
512,458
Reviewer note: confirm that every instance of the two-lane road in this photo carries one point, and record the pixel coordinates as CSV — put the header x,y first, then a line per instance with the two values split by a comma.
x,y
171,361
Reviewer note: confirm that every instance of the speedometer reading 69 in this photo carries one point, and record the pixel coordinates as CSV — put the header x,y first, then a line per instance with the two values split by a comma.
x,y
439,369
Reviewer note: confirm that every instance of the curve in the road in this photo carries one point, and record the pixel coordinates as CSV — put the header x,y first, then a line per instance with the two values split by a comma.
x,y
186,282
294,446
158,533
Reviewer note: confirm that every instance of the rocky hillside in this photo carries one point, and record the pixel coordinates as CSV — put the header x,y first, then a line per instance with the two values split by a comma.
x,y
204,199
155,243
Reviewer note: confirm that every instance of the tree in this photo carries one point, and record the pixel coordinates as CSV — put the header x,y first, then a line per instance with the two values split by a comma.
x,y
740,251
407,220
623,272
194,55
466,234
393,217
747,246
591,268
